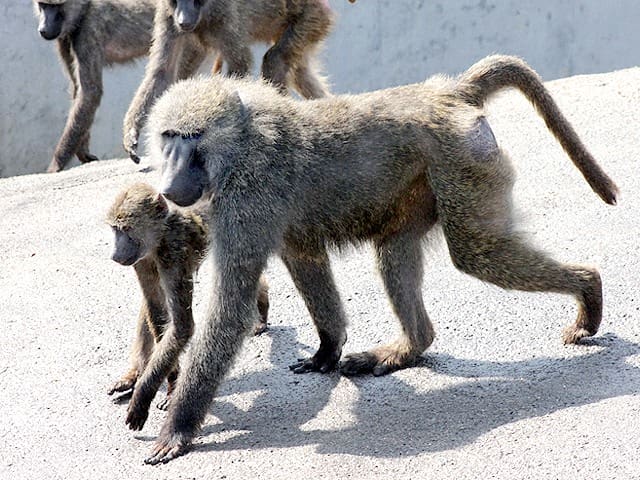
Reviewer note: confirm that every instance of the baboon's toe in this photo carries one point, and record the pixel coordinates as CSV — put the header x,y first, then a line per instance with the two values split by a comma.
x,y
573,334
164,403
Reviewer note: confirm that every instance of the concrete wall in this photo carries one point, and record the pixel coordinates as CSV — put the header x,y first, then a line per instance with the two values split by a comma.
x,y
376,43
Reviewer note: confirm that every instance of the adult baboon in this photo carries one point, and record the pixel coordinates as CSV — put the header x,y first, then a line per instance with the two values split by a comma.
x,y
166,248
91,34
295,178
295,28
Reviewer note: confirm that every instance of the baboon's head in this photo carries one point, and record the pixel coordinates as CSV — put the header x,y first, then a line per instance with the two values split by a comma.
x,y
186,13
137,220
56,18
195,128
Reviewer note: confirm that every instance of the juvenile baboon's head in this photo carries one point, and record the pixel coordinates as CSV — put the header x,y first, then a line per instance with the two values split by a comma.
x,y
194,127
137,220
186,13
57,18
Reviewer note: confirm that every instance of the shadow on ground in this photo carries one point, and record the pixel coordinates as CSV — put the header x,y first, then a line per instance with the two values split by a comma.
x,y
392,419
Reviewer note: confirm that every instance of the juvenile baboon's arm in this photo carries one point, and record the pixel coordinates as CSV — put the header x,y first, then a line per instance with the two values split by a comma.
x,y
64,50
160,72
152,321
88,93
178,284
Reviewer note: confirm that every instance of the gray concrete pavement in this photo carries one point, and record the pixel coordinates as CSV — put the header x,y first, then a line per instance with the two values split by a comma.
x,y
497,396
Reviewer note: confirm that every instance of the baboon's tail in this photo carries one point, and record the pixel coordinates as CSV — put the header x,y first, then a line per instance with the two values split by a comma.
x,y
497,72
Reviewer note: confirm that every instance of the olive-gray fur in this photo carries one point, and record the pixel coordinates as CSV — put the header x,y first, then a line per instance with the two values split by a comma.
x,y
296,178
95,34
294,28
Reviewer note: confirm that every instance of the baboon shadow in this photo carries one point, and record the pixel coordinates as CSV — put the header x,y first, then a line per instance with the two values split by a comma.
x,y
390,418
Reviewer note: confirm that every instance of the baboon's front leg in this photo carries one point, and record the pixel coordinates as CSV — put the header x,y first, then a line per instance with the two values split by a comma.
x,y
233,314
291,55
151,324
177,287
313,279
87,93
159,74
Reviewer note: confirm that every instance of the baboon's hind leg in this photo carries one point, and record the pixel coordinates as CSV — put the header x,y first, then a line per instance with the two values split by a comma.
x,y
478,225
313,279
400,264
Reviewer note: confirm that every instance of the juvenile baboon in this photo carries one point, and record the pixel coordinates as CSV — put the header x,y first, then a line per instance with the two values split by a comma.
x,y
295,28
166,248
91,34
295,178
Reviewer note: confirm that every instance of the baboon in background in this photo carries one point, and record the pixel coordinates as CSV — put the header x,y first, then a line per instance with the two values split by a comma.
x,y
91,34
296,178
295,28
166,248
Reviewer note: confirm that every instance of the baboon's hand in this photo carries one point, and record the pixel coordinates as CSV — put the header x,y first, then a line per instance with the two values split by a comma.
x,y
325,360
130,143
137,414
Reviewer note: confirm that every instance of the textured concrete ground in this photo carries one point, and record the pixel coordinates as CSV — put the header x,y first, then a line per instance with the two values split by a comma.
x,y
497,396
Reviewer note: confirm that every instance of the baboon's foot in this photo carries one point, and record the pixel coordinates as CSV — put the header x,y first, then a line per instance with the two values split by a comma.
x,y
55,166
86,157
589,310
325,360
138,410
573,334
379,361
127,382
168,447
275,69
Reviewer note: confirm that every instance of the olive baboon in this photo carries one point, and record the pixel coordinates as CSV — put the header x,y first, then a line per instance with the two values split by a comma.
x,y
91,34
166,248
295,28
295,178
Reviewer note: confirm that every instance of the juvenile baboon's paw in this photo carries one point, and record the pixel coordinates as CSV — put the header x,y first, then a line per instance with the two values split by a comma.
x,y
323,361
573,334
166,449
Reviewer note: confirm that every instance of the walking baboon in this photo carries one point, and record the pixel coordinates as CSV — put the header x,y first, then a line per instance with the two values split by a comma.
x,y
166,248
295,28
296,178
91,34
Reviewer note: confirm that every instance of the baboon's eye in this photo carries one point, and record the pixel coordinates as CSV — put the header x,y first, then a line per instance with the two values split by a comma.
x,y
192,136
169,133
